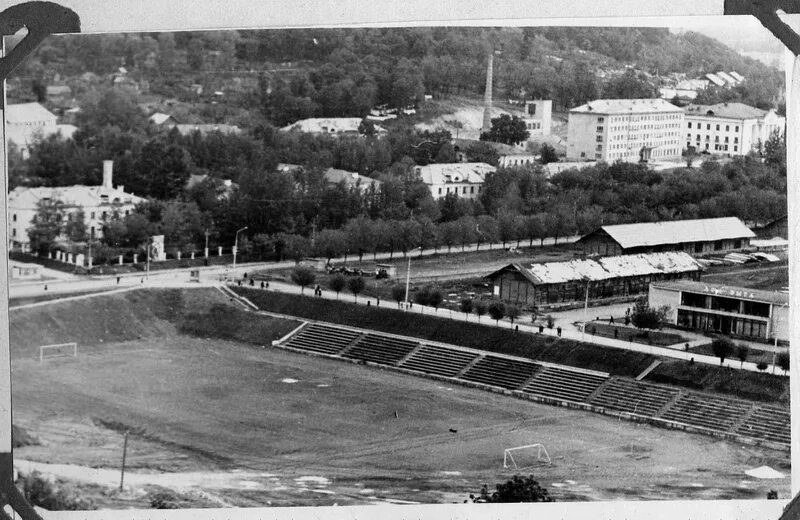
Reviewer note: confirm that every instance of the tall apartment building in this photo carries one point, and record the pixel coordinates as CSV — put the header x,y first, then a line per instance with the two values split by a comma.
x,y
729,128
538,116
625,130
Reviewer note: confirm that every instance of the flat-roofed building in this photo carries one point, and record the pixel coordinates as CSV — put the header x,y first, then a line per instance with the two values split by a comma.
x,y
729,128
628,130
553,283
697,236
733,311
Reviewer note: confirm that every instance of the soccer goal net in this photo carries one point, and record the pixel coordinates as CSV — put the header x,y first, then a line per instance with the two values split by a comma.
x,y
58,350
523,457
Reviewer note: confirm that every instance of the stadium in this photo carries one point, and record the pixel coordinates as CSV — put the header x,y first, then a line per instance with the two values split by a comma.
x,y
225,405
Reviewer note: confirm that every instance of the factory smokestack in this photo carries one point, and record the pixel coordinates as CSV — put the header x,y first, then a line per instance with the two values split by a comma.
x,y
487,98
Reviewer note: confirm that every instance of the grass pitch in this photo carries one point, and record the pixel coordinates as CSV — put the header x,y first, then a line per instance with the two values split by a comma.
x,y
313,431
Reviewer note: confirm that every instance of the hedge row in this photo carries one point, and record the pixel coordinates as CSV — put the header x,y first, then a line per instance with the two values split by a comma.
x,y
740,383
472,335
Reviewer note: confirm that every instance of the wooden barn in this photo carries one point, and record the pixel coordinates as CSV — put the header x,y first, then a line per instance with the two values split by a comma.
x,y
550,283
698,236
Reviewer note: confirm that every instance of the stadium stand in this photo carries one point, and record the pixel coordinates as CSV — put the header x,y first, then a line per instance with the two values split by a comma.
x,y
440,361
562,383
706,410
496,371
627,395
384,350
659,402
322,339
768,423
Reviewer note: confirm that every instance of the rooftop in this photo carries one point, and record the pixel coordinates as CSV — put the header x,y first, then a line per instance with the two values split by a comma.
x,y
726,290
329,125
726,111
605,268
676,232
350,179
26,112
77,195
626,106
441,173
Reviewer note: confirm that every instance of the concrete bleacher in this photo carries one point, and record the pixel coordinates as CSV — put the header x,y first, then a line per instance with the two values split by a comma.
x,y
497,371
322,339
384,350
628,395
706,410
769,423
440,361
562,383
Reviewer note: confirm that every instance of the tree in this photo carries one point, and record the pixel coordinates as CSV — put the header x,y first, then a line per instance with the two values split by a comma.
x,y
784,361
722,348
497,310
337,283
398,293
547,154
512,312
742,351
435,298
465,305
507,130
48,224
518,489
645,317
303,276
480,308
356,285
75,227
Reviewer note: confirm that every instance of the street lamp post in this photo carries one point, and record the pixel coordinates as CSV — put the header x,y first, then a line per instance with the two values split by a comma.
x,y
235,250
147,271
408,274
585,312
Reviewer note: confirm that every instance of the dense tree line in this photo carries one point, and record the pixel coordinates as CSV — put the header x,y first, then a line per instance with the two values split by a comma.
x,y
293,74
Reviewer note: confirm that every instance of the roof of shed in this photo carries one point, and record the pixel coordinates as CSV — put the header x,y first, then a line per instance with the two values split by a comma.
x,y
676,232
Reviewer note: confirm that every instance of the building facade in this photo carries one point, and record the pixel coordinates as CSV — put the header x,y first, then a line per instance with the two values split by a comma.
x,y
733,311
628,130
464,180
556,283
98,203
697,237
538,117
729,128
27,123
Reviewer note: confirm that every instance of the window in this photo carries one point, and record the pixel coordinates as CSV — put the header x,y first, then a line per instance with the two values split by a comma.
x,y
690,124
735,140
737,128
735,148
599,139
708,126
727,128
472,189
599,147
440,192
717,128
14,232
600,119
464,190
14,217
600,129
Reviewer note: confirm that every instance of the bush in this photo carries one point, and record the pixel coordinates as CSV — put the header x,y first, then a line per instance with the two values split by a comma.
x,y
784,361
518,489
465,305
303,276
53,496
645,317
762,365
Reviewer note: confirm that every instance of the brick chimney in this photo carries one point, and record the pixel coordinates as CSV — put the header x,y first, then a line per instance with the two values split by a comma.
x,y
108,168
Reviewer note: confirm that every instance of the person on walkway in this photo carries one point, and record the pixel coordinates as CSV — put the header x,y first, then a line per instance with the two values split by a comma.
x,y
262,284
541,329
117,280
611,320
558,331
252,282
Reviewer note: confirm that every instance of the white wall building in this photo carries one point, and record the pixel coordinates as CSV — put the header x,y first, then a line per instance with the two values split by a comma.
x,y
28,122
729,128
330,125
462,179
99,203
625,130
538,117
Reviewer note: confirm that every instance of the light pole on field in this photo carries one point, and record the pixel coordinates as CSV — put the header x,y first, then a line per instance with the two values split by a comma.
x,y
235,250
585,311
408,274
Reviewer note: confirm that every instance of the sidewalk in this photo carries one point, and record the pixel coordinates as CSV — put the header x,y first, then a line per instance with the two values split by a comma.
x,y
567,332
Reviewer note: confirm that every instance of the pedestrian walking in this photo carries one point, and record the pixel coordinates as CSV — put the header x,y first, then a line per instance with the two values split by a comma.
x,y
611,320
45,287
245,276
541,329
252,282
558,331
117,280
262,284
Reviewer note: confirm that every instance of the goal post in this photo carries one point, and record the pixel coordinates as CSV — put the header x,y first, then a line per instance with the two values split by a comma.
x,y
523,457
58,350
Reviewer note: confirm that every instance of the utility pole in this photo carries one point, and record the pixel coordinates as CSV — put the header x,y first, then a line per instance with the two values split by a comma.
x,y
124,455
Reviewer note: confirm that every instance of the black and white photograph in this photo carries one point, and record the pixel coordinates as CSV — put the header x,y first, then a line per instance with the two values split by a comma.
x,y
400,265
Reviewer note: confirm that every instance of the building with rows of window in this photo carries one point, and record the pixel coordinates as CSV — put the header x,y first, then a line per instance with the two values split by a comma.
x,y
98,204
729,128
464,180
629,130
733,311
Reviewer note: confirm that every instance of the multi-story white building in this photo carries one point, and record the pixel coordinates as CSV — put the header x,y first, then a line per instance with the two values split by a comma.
x,y
27,123
99,204
462,179
625,130
729,128
538,117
